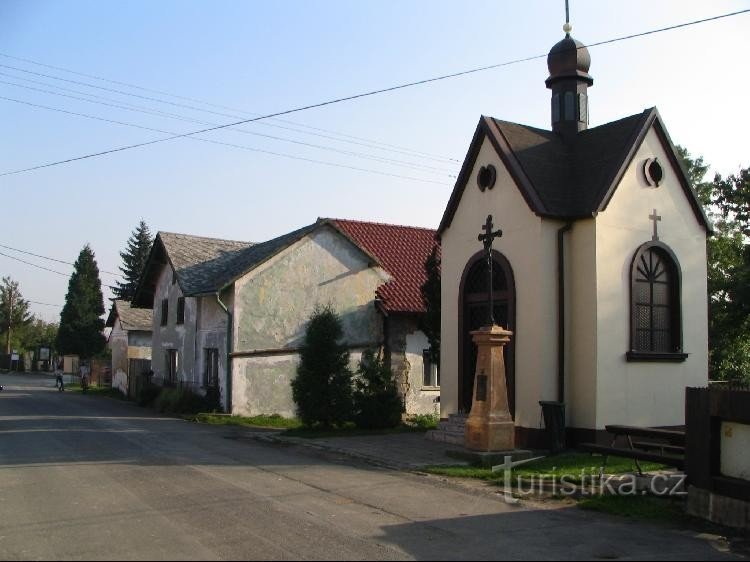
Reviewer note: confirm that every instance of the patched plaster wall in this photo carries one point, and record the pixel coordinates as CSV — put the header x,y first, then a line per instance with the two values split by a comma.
x,y
273,303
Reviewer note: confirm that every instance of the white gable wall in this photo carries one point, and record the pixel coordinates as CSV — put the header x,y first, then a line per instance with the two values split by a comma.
x,y
638,393
529,244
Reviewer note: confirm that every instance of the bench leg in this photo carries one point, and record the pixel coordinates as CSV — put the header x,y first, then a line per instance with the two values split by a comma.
x,y
637,464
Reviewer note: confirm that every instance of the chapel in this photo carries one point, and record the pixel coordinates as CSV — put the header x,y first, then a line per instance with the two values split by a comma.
x,y
600,272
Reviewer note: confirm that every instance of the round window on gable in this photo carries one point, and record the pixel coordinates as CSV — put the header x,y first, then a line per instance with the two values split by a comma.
x,y
486,177
653,172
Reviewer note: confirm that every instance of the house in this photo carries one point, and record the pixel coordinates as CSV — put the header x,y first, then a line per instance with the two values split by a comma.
x,y
232,315
600,272
130,343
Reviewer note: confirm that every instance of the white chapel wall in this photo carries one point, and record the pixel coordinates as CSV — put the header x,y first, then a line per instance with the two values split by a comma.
x,y
638,393
529,246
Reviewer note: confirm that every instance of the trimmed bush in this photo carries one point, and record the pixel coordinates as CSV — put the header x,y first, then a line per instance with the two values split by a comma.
x,y
322,389
377,401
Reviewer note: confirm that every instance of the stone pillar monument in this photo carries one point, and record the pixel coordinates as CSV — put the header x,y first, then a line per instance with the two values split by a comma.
x,y
490,426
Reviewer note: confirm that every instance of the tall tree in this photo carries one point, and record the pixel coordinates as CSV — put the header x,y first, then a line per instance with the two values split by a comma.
x,y
726,201
14,311
134,261
430,322
81,324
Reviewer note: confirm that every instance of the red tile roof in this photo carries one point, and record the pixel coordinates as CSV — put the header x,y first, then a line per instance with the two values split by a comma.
x,y
402,251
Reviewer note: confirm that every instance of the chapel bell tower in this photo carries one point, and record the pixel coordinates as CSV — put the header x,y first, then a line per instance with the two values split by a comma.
x,y
568,63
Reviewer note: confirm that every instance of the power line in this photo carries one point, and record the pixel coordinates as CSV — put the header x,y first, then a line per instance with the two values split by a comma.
x,y
45,268
45,303
129,107
52,259
232,145
358,96
367,142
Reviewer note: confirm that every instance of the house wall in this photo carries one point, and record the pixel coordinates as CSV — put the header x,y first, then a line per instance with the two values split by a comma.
x,y
419,399
639,393
118,344
273,303
211,332
529,244
173,336
406,343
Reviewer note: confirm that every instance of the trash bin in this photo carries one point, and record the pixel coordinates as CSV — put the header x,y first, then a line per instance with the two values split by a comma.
x,y
554,424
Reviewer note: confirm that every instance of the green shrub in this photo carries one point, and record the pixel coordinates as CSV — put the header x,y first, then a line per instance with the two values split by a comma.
x,y
322,389
181,401
425,421
377,401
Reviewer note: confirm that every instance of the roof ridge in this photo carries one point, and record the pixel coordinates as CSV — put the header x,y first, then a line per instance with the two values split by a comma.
x,y
375,223
196,236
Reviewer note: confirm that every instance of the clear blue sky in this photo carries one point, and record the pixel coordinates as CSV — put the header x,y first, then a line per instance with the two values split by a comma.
x,y
269,56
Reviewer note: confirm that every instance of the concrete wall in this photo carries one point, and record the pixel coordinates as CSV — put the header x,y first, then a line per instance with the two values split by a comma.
x,y
273,303
640,393
530,247
735,450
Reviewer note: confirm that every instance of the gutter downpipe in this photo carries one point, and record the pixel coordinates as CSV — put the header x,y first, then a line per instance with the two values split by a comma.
x,y
229,350
561,311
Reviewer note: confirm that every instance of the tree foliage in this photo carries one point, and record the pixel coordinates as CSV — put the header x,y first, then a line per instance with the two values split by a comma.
x,y
377,401
322,389
14,310
727,202
133,261
430,322
81,324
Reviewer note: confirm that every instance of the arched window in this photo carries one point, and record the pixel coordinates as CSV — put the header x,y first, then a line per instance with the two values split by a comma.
x,y
655,304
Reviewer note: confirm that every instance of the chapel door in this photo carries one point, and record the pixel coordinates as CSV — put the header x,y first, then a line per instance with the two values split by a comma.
x,y
474,308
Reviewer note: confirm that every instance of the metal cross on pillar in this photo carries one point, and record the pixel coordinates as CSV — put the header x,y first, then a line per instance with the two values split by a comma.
x,y
487,239
656,218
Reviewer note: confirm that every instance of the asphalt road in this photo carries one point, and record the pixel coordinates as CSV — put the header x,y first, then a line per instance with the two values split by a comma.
x,y
84,477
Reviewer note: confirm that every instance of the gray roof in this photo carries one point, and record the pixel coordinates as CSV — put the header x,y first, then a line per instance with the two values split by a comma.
x,y
198,261
140,319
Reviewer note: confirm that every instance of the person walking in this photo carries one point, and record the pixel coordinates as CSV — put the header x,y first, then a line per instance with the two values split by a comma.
x,y
59,383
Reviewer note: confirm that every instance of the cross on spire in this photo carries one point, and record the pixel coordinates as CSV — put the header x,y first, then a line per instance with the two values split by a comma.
x,y
655,218
486,239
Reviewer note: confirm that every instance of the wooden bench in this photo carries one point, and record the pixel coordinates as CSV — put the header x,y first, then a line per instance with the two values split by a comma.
x,y
663,440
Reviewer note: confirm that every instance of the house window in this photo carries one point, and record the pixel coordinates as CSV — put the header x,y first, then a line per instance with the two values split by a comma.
x,y
211,368
172,365
164,311
181,310
431,373
656,323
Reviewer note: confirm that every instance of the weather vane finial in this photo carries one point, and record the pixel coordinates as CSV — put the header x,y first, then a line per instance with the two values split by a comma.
x,y
567,28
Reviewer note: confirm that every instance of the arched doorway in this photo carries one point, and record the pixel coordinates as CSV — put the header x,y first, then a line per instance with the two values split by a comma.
x,y
473,306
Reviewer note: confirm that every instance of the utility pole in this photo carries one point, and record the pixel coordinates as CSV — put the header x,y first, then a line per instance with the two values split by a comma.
x,y
10,320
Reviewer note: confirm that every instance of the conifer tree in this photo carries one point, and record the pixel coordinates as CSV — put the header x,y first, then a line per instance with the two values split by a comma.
x,y
323,387
134,260
430,321
81,324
